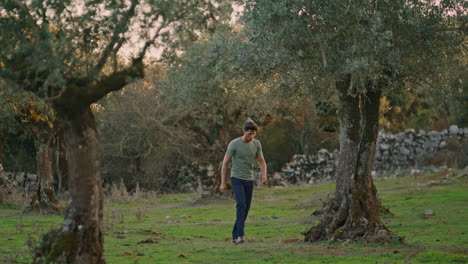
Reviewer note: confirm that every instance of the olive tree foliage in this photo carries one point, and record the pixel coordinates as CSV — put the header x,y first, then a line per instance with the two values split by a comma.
x,y
357,51
365,40
62,51
206,78
50,43
421,107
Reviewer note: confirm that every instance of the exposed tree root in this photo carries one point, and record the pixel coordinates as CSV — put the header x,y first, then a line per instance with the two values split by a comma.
x,y
54,247
336,223
67,246
45,201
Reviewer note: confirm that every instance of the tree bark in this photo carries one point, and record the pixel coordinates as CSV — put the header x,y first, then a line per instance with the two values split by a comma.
x,y
337,210
60,163
44,199
354,212
80,240
85,212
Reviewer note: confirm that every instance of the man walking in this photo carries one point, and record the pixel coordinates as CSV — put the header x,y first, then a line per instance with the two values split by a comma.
x,y
243,152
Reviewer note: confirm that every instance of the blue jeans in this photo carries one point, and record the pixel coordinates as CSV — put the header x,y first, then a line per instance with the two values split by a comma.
x,y
243,190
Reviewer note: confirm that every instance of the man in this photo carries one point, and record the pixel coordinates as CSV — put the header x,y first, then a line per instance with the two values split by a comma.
x,y
243,152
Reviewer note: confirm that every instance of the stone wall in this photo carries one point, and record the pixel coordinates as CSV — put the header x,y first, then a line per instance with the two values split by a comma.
x,y
309,168
394,151
410,148
26,181
196,177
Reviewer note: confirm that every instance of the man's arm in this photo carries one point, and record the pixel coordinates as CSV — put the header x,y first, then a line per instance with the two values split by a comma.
x,y
263,168
224,168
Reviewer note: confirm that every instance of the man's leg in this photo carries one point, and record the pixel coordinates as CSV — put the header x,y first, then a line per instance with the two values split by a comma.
x,y
239,193
248,190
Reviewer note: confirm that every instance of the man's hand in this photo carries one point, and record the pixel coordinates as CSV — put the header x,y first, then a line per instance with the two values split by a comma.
x,y
222,187
264,180
263,168
226,160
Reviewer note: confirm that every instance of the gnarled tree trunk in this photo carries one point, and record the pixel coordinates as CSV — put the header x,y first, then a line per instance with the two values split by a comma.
x,y
84,215
80,240
354,212
44,198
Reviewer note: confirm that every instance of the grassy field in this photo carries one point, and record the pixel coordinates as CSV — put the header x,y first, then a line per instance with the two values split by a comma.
x,y
174,230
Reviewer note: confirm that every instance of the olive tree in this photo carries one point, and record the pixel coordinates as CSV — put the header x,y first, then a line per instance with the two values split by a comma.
x,y
356,51
23,112
62,51
38,120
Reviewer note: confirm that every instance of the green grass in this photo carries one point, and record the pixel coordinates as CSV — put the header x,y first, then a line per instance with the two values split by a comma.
x,y
201,233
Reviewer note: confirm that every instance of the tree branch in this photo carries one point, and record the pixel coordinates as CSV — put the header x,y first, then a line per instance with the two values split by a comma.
x,y
151,41
121,27
114,81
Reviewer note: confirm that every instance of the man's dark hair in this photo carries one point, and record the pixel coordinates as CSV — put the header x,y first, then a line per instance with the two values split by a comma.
x,y
250,125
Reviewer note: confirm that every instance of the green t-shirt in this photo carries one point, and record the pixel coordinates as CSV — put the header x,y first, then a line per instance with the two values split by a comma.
x,y
244,155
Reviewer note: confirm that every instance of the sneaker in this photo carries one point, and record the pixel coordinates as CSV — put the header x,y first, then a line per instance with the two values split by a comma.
x,y
238,240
